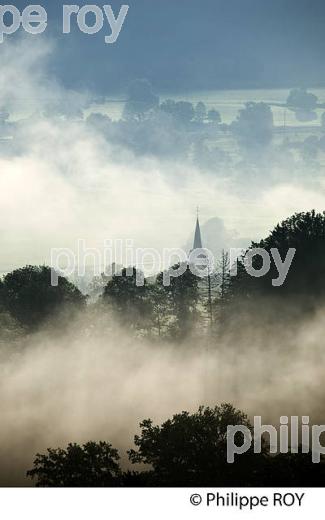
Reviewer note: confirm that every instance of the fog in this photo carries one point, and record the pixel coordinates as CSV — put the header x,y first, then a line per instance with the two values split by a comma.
x,y
97,383
61,181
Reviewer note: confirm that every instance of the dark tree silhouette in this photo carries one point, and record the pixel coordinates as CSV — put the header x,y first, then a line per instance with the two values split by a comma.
x,y
183,296
91,465
186,450
129,299
30,298
221,299
304,287
190,449
294,469
160,309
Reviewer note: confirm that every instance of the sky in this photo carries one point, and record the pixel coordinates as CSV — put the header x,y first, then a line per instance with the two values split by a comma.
x,y
191,45
64,180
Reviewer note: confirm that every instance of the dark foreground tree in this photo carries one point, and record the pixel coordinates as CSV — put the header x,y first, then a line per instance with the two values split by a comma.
x,y
191,450
27,294
294,469
91,465
186,450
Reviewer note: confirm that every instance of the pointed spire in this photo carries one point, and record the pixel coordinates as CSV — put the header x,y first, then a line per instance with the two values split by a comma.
x,y
197,236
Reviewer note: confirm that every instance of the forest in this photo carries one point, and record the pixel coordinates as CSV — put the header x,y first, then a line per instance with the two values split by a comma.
x,y
191,314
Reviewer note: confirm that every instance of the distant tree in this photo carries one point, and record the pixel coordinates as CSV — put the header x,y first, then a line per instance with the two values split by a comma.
x,y
214,116
182,111
97,285
224,280
254,125
303,103
129,299
224,274
168,106
190,449
200,112
91,465
183,295
300,99
30,298
141,100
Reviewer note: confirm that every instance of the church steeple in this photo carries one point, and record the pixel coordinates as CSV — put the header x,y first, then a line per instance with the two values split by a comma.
x,y
197,244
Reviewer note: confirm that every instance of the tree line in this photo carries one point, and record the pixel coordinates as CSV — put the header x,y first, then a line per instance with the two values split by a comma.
x,y
190,304
190,449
